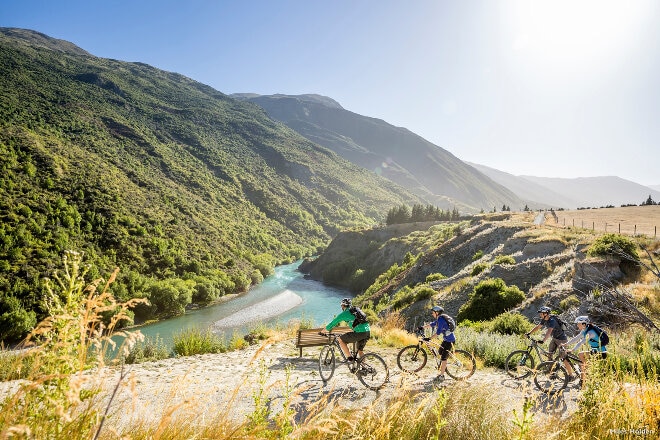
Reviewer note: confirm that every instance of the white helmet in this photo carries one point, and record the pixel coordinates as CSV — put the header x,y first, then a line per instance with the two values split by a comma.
x,y
582,320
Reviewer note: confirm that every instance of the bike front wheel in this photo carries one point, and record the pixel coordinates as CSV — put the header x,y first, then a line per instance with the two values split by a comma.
x,y
550,377
411,359
519,364
460,365
372,371
327,363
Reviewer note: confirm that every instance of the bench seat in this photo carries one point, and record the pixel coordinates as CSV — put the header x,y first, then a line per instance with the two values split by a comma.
x,y
310,337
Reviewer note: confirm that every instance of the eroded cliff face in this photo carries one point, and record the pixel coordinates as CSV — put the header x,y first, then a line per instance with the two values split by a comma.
x,y
548,265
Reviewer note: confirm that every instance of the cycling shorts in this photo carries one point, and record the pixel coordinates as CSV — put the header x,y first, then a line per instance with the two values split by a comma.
x,y
360,338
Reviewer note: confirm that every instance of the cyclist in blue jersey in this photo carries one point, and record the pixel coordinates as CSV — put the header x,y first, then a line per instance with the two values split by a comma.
x,y
440,327
586,335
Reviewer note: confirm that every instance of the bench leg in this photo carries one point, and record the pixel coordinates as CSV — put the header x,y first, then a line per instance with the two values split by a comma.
x,y
300,351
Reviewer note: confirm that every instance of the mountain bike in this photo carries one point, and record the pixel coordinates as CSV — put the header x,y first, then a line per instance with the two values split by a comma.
x,y
520,363
370,369
411,359
552,377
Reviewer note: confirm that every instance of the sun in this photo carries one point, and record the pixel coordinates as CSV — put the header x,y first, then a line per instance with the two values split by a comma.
x,y
577,34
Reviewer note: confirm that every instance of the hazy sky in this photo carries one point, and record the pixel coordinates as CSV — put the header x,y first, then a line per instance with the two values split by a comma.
x,y
545,88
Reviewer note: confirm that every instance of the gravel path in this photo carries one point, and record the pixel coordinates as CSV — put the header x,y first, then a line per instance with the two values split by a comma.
x,y
201,386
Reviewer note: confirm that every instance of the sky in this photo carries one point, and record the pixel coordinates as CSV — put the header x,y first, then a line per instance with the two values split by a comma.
x,y
544,88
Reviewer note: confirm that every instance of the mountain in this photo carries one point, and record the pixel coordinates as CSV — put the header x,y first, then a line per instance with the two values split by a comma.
x,y
597,191
191,193
582,192
536,196
427,170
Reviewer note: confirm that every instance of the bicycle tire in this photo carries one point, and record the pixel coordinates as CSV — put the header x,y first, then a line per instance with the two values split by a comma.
x,y
519,364
460,365
327,363
550,377
411,359
372,371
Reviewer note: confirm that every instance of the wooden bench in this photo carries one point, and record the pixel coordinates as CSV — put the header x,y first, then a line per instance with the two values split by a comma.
x,y
310,337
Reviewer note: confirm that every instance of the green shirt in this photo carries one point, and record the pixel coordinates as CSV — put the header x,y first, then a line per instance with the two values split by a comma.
x,y
347,316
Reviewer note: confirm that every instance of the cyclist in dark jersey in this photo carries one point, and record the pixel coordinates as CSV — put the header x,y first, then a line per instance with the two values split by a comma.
x,y
554,330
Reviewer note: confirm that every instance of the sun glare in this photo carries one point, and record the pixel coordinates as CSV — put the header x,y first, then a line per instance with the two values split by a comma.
x,y
576,34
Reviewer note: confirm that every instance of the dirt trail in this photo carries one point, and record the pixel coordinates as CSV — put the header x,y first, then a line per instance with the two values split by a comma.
x,y
228,383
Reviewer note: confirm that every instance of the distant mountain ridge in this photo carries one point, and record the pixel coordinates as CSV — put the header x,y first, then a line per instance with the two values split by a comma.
x,y
581,192
430,172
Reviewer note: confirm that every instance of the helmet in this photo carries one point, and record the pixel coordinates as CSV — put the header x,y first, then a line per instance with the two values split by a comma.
x,y
437,309
544,309
346,302
582,320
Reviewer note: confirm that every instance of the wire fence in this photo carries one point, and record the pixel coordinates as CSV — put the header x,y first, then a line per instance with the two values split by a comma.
x,y
625,228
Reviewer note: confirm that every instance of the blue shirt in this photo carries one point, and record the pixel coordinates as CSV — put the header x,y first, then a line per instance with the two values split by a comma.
x,y
590,336
442,328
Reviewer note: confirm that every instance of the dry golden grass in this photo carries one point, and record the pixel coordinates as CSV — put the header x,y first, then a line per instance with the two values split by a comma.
x,y
629,220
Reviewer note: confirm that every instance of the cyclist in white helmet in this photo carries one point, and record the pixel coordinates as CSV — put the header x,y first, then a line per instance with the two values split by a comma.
x,y
587,334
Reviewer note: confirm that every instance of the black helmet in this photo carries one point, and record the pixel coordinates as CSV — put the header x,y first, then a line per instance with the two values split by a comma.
x,y
544,309
346,302
437,309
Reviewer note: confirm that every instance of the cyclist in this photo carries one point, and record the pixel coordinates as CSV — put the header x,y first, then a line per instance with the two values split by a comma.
x,y
441,327
361,331
554,330
586,334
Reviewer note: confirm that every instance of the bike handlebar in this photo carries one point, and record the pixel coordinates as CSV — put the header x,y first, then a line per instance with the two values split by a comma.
x,y
538,341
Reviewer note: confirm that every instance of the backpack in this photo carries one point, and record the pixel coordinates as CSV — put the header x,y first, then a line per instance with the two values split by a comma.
x,y
360,317
602,334
450,322
561,322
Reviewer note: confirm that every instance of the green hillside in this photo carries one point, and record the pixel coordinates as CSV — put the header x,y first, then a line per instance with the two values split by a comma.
x,y
425,169
190,193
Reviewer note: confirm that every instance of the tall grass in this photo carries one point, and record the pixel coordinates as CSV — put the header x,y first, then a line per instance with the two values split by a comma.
x,y
58,398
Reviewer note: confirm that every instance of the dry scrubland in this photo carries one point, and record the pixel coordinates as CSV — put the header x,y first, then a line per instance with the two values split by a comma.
x,y
631,219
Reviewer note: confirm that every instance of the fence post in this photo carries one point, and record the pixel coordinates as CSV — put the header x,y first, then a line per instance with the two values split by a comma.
x,y
619,228
593,226
635,233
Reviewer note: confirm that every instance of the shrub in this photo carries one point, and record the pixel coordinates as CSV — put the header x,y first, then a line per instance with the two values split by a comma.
x,y
423,292
490,298
477,255
510,323
435,277
504,260
478,268
147,350
569,302
194,341
15,321
614,244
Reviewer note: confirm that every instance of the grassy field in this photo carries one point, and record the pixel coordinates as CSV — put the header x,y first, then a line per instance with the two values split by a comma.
x,y
630,220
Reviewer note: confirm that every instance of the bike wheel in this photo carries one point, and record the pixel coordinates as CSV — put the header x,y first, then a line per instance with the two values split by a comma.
x,y
327,363
460,365
372,371
550,377
411,359
519,364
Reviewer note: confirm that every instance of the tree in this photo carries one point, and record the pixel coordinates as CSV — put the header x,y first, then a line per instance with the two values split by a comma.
x,y
649,201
